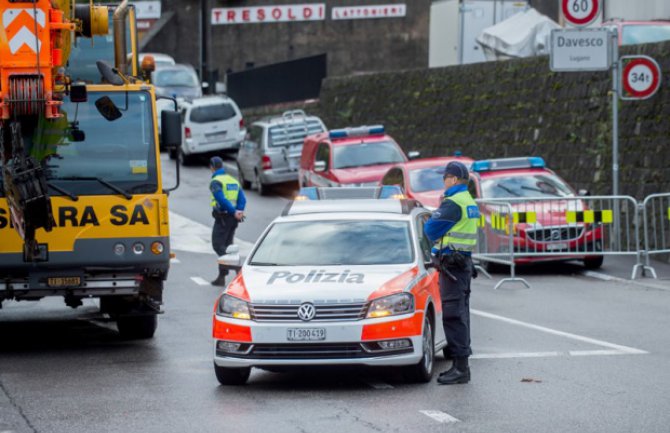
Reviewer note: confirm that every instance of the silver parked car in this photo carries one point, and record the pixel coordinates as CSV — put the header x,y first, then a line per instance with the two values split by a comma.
x,y
271,152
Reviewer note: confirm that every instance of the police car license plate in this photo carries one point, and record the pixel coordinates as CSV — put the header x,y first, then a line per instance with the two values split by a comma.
x,y
64,281
306,334
556,247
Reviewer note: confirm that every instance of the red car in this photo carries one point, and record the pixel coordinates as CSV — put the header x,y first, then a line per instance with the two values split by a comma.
x,y
548,225
349,157
421,179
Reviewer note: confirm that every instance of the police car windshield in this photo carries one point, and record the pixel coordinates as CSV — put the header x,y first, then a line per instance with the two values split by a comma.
x,y
532,186
345,242
426,179
364,154
119,152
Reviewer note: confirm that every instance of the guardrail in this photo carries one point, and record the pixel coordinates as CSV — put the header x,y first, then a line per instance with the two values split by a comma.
x,y
524,230
656,217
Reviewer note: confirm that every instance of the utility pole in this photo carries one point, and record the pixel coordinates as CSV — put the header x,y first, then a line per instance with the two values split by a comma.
x,y
204,45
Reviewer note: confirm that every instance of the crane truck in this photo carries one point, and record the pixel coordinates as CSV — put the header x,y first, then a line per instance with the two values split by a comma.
x,y
83,210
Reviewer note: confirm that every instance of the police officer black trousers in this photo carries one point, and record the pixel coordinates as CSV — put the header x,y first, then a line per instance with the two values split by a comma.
x,y
223,234
455,294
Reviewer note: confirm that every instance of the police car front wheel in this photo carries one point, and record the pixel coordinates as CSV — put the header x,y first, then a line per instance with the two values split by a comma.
x,y
232,376
423,371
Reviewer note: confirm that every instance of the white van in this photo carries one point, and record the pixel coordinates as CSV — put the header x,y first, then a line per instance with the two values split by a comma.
x,y
211,125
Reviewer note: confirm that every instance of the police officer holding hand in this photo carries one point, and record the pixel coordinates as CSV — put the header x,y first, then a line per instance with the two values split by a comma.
x,y
453,230
228,202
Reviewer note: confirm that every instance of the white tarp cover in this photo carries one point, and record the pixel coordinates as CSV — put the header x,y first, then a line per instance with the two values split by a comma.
x,y
522,35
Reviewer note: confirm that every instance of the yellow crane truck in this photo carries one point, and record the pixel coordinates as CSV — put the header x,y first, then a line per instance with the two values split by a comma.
x,y
83,209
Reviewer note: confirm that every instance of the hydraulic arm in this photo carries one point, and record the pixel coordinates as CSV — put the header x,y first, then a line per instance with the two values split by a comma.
x,y
35,41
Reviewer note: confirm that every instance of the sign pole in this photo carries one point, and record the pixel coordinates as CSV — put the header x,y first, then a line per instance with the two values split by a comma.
x,y
615,112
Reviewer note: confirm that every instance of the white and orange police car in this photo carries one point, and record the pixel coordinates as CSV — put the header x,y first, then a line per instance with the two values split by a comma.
x,y
334,280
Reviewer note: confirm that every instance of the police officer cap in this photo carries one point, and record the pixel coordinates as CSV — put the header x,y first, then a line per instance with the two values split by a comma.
x,y
458,169
216,162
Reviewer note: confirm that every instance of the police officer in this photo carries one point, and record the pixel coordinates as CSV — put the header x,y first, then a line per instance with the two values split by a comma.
x,y
453,230
228,202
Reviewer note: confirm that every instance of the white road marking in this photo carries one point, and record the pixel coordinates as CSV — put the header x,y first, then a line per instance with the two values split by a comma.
x,y
192,236
617,347
174,261
649,283
555,354
440,416
200,281
601,276
377,384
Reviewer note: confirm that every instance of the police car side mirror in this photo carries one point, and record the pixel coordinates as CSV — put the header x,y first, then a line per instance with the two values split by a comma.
x,y
413,154
231,259
583,193
320,166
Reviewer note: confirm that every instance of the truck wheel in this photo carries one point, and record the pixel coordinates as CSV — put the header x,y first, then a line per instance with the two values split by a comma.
x,y
240,176
594,262
137,327
232,376
423,371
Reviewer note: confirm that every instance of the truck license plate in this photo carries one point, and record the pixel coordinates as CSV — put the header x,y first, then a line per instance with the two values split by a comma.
x,y
306,334
64,281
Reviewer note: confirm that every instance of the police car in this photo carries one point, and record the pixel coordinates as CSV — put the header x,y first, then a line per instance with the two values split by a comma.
x,y
543,203
334,280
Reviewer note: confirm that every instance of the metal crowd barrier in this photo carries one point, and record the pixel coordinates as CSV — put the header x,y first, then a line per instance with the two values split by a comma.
x,y
656,217
523,230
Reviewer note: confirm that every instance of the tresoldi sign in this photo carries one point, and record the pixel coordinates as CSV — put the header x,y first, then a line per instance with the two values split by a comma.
x,y
269,14
580,50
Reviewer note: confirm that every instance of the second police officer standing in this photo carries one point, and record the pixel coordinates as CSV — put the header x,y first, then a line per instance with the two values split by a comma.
x,y
228,202
453,230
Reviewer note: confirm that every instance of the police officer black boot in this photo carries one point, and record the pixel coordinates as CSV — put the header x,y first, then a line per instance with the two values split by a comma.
x,y
221,279
458,373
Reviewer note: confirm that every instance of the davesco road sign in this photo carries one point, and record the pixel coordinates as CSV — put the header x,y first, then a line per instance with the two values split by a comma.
x,y
580,50
640,77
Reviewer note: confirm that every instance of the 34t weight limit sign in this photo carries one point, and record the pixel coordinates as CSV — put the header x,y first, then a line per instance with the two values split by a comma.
x,y
580,13
640,77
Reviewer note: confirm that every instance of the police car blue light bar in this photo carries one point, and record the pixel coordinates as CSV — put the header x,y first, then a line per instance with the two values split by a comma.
x,y
383,192
360,131
507,164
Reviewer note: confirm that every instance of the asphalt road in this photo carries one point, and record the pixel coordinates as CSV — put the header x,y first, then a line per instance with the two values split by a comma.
x,y
574,353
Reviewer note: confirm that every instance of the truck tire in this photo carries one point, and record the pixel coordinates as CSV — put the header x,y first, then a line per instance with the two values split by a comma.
x,y
423,371
137,327
232,376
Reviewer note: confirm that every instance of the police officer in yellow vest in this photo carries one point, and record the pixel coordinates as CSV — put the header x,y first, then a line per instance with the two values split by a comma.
x,y
453,230
228,202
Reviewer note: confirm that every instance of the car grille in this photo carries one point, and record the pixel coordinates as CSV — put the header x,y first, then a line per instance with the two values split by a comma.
x,y
554,234
324,312
307,351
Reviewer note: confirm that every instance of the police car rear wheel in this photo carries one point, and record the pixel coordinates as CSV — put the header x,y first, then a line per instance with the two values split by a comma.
x,y
232,376
423,371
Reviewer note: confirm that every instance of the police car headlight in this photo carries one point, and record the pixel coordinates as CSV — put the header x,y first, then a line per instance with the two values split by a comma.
x,y
401,303
236,308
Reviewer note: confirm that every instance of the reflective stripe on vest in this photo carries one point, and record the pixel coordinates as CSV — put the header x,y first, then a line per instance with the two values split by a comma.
x,y
230,187
463,235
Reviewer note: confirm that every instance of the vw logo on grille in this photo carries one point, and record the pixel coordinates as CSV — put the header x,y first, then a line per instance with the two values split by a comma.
x,y
306,312
555,235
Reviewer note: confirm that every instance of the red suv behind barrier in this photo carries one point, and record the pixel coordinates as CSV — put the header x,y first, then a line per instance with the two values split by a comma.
x,y
349,157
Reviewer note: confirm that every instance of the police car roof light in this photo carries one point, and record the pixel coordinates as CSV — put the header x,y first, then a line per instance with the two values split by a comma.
x,y
375,192
508,164
308,193
360,131
391,191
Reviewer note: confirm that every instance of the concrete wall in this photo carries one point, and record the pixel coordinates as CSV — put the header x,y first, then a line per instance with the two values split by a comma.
x,y
516,108
353,46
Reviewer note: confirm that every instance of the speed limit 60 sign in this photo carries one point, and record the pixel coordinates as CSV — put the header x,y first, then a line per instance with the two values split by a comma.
x,y
580,13
640,77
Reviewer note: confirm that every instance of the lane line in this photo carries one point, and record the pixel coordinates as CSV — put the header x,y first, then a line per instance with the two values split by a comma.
x,y
200,281
625,349
513,355
440,416
647,284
